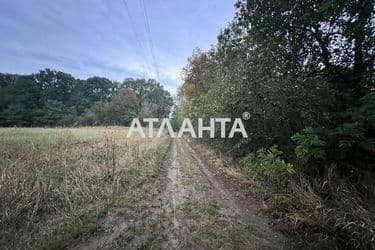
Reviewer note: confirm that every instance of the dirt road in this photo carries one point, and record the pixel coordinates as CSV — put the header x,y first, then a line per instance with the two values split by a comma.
x,y
187,206
209,214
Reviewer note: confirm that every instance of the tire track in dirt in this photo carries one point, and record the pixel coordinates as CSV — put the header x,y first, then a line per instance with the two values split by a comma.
x,y
195,210
177,195
112,226
238,208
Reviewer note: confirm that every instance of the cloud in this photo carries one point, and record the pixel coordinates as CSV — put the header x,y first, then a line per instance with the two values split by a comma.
x,y
95,37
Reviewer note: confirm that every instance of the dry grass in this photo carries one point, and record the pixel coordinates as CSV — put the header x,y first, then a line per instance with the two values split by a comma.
x,y
337,219
327,213
55,182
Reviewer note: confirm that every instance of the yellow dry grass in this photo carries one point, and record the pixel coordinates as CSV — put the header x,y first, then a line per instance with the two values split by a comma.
x,y
55,181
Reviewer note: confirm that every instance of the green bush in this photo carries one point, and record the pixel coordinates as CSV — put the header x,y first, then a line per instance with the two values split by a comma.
x,y
355,134
268,165
348,135
309,145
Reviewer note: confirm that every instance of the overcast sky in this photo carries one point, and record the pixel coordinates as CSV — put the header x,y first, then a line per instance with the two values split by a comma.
x,y
97,37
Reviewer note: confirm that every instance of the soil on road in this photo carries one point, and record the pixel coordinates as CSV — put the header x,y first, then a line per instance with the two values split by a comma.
x,y
207,214
187,206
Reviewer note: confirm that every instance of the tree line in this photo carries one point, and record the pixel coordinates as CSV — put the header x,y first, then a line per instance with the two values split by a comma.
x,y
55,98
304,70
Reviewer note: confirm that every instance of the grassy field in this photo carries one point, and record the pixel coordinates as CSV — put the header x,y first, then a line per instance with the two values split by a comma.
x,y
58,186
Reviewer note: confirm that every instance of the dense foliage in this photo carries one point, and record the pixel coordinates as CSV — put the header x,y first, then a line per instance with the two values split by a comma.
x,y
51,98
305,72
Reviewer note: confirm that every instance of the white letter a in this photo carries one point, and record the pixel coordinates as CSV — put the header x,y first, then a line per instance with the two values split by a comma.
x,y
186,126
138,128
241,128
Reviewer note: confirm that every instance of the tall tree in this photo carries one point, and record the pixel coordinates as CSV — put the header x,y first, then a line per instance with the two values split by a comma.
x,y
94,89
151,94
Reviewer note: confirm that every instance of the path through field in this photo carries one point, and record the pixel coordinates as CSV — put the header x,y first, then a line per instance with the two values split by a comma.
x,y
207,212
190,207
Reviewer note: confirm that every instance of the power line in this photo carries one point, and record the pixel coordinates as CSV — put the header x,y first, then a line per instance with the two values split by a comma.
x,y
136,35
148,30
